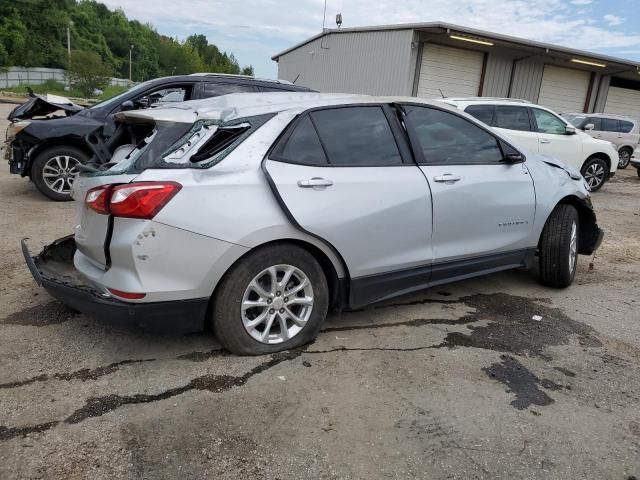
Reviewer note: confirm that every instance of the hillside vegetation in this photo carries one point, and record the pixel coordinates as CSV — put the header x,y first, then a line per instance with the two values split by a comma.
x,y
33,34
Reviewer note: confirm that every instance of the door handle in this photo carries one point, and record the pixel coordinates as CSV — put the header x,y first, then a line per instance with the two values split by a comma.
x,y
447,178
545,141
315,182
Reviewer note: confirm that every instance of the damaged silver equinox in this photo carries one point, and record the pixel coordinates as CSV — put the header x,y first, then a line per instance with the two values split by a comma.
x,y
257,213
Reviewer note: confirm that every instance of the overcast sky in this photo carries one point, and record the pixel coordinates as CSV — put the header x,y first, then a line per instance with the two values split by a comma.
x,y
254,30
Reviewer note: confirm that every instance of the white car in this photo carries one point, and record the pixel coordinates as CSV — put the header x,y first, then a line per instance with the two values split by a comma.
x,y
540,130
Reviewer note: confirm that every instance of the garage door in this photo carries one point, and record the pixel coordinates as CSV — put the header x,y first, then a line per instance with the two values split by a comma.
x,y
454,71
623,101
564,89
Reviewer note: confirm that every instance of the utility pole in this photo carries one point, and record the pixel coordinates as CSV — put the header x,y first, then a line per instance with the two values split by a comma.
x,y
130,61
69,39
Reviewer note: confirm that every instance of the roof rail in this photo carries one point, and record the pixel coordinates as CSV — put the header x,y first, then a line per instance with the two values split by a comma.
x,y
248,77
603,114
503,99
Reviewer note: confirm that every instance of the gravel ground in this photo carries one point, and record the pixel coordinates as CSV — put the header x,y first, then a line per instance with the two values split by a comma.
x,y
457,383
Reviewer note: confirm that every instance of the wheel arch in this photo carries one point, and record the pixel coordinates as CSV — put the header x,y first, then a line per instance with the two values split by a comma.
x,y
587,220
602,155
54,143
337,275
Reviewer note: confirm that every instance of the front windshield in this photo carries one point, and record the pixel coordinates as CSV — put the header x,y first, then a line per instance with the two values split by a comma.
x,y
575,120
117,98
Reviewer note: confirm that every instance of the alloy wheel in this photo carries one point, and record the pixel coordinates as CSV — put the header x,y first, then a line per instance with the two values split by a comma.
x,y
59,173
624,156
594,175
573,247
277,304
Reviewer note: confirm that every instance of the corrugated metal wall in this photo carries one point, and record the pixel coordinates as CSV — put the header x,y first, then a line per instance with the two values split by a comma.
x,y
527,79
603,90
374,63
497,75
387,62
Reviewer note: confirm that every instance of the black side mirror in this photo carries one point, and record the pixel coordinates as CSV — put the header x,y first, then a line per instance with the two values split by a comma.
x,y
128,105
515,158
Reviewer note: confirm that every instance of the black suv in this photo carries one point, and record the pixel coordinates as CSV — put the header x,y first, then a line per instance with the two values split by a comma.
x,y
48,150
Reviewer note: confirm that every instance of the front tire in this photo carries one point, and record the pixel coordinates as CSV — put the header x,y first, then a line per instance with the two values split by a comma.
x,y
274,299
558,253
54,170
624,155
595,171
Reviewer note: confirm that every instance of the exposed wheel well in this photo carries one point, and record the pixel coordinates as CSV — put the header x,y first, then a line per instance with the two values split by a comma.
x,y
338,288
58,142
587,220
603,156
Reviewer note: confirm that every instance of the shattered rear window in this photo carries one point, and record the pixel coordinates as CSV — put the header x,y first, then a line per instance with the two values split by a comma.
x,y
181,145
206,143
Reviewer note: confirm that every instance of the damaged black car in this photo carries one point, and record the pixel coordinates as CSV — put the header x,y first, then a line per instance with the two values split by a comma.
x,y
47,136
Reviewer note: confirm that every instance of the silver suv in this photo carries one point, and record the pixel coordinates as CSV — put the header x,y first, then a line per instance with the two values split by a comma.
x,y
623,132
257,213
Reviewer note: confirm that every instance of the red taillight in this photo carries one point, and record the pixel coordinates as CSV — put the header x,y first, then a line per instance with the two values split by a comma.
x,y
141,199
127,295
97,199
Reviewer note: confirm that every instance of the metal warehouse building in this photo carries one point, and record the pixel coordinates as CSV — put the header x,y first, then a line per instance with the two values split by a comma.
x,y
434,59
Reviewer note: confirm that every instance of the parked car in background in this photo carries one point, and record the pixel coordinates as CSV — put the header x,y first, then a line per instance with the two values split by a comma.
x,y
623,132
277,207
538,129
635,160
48,150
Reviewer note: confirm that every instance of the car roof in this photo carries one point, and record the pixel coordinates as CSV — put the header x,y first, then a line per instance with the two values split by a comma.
x,y
243,105
458,101
219,77
604,115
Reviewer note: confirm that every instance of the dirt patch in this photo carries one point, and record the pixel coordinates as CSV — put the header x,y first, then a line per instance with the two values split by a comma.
x,y
512,329
521,382
50,313
83,374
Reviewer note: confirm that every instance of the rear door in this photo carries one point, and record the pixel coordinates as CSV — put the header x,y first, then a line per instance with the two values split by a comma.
x,y
483,207
346,175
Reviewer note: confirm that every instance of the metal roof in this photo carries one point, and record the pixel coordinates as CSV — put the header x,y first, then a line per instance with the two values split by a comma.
x,y
470,31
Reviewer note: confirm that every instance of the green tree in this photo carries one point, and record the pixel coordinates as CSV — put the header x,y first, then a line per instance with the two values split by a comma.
x,y
87,72
33,33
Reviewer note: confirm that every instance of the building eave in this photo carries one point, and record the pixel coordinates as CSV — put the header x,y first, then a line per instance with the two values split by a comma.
x,y
451,28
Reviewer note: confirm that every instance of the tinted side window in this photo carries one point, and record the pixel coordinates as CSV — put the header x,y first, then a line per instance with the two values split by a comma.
x,y
302,146
597,123
512,118
609,125
625,127
484,113
549,123
448,139
217,89
355,136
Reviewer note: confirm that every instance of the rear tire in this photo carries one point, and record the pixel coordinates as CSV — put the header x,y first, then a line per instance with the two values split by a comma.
x,y
54,170
624,155
596,172
558,254
249,282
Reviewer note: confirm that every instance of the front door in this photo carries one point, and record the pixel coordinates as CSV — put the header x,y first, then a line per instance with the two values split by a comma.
x,y
483,207
346,176
554,140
